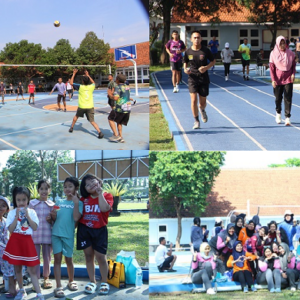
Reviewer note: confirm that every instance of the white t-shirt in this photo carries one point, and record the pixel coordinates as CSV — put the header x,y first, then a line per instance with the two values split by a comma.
x,y
160,254
69,86
23,226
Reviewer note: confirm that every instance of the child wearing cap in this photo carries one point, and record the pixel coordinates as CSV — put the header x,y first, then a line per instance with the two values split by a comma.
x,y
226,55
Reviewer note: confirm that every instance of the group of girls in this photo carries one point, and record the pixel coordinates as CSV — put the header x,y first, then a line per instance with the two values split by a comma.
x,y
250,251
41,223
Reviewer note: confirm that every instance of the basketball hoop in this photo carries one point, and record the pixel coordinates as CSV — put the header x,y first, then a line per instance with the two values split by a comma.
x,y
123,57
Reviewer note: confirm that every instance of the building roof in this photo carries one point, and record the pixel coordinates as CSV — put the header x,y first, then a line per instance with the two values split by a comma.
x,y
143,57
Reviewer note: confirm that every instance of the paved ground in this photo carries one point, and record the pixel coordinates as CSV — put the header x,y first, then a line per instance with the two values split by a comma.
x,y
129,293
241,115
40,126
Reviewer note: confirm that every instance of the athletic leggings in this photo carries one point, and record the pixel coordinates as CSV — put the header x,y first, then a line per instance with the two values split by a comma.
x,y
272,278
203,276
227,68
286,91
243,277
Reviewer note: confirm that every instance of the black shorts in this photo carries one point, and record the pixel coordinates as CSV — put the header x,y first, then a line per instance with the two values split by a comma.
x,y
95,237
31,95
20,94
89,112
176,66
167,263
111,102
59,97
119,118
197,87
245,62
70,91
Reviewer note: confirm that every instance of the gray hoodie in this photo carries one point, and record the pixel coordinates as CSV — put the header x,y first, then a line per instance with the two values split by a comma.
x,y
224,55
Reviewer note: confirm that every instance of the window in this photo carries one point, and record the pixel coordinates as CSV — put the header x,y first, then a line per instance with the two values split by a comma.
x,y
254,43
203,33
294,32
145,72
254,33
204,43
214,32
139,72
243,33
162,228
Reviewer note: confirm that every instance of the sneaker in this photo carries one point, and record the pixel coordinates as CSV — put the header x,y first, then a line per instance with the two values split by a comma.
x,y
244,77
71,129
203,115
278,290
196,125
253,289
226,78
287,122
21,295
247,77
71,99
278,118
121,140
210,291
272,290
114,138
175,89
293,289
65,110
100,135
39,297
246,289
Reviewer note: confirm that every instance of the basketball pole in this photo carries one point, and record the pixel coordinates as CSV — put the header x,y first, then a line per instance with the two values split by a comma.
x,y
135,75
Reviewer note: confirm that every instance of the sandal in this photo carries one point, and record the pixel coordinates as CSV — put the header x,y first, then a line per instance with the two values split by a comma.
x,y
104,288
72,286
90,288
47,284
59,292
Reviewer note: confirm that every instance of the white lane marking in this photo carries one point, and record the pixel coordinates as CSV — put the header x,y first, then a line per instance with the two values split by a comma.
x,y
9,144
22,114
190,147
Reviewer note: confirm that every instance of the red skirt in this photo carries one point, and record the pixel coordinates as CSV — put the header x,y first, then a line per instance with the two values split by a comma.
x,y
20,250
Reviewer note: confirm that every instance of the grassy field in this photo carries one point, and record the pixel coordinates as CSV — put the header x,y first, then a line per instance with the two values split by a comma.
x,y
237,295
132,205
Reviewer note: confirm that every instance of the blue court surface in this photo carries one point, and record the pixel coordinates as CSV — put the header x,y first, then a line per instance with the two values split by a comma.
x,y
241,114
41,126
180,281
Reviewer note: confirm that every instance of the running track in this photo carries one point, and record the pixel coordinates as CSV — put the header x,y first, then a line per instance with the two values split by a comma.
x,y
241,115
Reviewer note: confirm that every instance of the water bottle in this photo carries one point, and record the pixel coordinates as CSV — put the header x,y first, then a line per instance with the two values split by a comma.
x,y
139,278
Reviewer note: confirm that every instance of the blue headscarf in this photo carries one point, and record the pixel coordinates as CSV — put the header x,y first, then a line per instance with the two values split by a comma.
x,y
236,254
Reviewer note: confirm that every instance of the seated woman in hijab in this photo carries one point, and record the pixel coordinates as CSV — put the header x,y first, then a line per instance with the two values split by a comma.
x,y
196,234
287,266
223,242
239,224
204,264
269,271
289,228
239,261
247,232
257,241
273,234
218,227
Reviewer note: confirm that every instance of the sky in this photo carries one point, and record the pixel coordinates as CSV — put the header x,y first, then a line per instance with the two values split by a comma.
x,y
116,22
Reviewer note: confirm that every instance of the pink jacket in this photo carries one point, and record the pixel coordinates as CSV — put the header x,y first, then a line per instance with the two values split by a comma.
x,y
263,266
221,244
203,260
282,77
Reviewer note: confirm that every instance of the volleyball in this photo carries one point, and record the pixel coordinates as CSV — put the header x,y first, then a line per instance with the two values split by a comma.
x,y
56,23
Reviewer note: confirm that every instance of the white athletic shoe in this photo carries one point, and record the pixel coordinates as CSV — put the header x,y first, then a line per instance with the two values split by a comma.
x,y
287,122
278,118
226,78
210,291
203,115
196,125
175,89
293,289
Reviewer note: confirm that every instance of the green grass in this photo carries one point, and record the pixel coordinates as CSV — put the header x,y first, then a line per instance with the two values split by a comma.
x,y
237,295
156,69
132,205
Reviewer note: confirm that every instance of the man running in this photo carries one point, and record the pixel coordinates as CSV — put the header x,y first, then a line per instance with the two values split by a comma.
x,y
213,44
245,50
174,48
20,91
2,91
31,91
197,58
61,87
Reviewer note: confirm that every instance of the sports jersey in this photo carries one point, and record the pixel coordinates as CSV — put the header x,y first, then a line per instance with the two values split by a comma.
x,y
85,95
61,87
92,216
31,88
173,46
196,59
246,55
20,87
213,46
123,104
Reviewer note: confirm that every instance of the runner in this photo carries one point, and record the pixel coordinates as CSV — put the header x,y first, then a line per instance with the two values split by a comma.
x,y
198,80
11,89
31,91
174,48
245,50
69,90
213,44
61,87
2,91
85,100
20,91
226,55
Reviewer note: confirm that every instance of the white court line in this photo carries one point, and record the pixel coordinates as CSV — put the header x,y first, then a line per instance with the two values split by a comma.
x,y
21,114
190,147
251,87
248,102
234,124
9,144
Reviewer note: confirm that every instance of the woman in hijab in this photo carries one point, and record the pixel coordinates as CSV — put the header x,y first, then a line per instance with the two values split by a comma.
x,y
282,70
218,227
269,271
274,247
273,234
196,234
257,241
203,267
247,232
239,261
289,228
287,265
239,224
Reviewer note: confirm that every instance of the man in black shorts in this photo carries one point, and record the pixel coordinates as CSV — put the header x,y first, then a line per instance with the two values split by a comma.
x,y
161,261
196,66
110,91
20,90
245,50
61,87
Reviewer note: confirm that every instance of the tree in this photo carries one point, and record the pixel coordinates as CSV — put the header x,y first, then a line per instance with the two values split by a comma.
x,y
183,179
154,30
274,14
93,51
289,163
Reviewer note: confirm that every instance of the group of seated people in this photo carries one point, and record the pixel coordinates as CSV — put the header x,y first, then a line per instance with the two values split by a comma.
x,y
246,251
